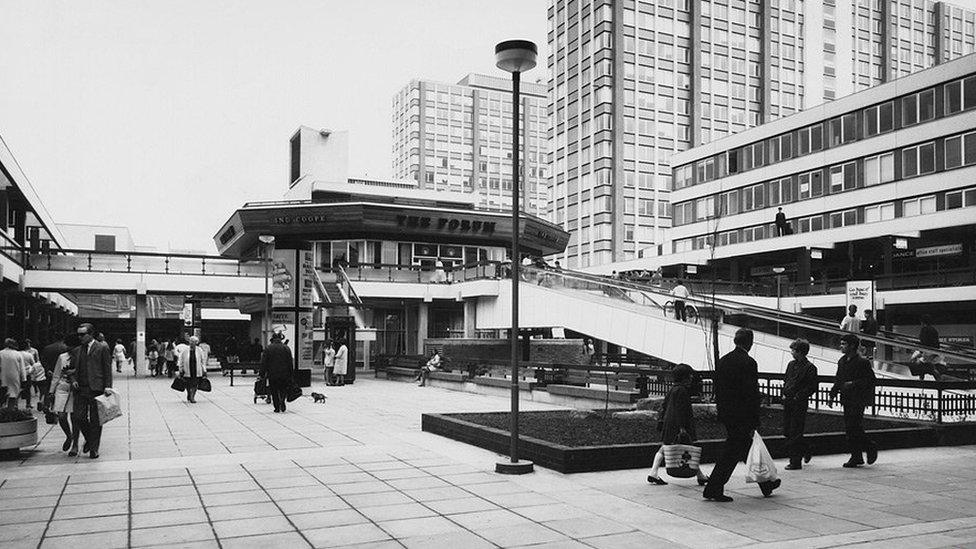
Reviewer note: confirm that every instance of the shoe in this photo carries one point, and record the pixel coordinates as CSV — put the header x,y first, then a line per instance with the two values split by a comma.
x,y
93,454
872,455
719,498
793,467
656,480
807,457
851,464
767,488
703,481
85,447
66,445
73,452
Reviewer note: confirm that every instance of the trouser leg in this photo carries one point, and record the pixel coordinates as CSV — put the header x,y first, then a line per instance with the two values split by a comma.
x,y
857,440
736,448
63,423
794,423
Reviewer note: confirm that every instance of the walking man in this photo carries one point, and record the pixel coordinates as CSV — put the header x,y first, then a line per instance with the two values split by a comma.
x,y
869,327
739,402
192,363
855,384
93,373
799,385
851,323
680,293
276,366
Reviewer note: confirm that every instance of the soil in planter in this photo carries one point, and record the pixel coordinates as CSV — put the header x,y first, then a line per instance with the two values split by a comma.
x,y
561,427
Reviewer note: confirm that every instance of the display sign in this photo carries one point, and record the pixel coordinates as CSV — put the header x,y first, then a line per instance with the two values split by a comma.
x,y
306,339
932,251
860,293
283,322
307,279
366,334
283,278
186,315
962,341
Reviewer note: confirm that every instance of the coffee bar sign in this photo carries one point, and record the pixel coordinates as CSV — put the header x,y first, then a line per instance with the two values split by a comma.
x,y
449,224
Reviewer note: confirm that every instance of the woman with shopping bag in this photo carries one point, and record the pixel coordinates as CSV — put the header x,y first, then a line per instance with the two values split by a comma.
x,y
677,453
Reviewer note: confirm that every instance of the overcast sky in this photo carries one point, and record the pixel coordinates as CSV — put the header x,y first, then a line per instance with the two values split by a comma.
x,y
166,116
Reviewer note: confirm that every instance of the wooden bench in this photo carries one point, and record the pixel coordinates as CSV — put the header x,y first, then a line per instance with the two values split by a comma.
x,y
594,393
397,366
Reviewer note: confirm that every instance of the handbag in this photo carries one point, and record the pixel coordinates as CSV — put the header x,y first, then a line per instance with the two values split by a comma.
x,y
294,391
681,460
759,465
204,385
260,387
50,417
179,384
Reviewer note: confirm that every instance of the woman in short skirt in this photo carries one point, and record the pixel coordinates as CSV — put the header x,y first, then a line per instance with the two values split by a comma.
x,y
62,387
678,421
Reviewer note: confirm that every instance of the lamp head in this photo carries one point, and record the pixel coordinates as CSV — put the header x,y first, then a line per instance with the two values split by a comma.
x,y
515,55
266,238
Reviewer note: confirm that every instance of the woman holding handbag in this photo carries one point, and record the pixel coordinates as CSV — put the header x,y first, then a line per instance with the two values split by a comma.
x,y
677,424
192,363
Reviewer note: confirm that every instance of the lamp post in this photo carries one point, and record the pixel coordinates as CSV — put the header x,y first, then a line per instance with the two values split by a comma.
x,y
779,271
268,241
515,56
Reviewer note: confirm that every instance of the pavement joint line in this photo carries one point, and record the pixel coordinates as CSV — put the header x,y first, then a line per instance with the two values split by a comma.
x,y
877,534
54,510
280,510
344,500
128,530
205,510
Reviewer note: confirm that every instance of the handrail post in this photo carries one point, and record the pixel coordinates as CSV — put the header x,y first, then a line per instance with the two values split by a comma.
x,y
89,261
203,266
938,414
128,263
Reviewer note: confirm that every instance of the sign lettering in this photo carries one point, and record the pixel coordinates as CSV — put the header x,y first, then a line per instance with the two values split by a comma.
x,y
446,224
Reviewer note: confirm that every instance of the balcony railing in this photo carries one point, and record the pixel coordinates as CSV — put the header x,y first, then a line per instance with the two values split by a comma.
x,y
140,262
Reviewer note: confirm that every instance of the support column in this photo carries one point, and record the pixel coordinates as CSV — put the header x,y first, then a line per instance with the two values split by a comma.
x,y
292,305
470,317
423,310
802,266
142,306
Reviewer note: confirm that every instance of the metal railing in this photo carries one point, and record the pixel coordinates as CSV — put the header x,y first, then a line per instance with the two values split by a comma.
x,y
386,272
141,262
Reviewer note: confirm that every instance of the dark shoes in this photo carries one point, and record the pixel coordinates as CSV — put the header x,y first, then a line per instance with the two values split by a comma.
x,y
702,481
872,455
73,452
807,457
93,454
719,498
852,463
793,467
656,480
768,487
66,445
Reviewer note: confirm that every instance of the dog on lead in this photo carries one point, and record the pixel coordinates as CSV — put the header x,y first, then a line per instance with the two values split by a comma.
x,y
318,397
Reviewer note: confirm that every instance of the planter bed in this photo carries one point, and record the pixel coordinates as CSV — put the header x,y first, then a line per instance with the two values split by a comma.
x,y
18,434
571,443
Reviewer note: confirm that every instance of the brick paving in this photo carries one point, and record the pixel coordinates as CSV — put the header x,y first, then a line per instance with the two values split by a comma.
x,y
358,472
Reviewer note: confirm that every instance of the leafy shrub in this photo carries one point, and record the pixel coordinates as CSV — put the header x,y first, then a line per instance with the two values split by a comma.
x,y
12,415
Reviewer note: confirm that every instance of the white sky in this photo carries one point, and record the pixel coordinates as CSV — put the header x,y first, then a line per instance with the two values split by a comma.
x,y
167,116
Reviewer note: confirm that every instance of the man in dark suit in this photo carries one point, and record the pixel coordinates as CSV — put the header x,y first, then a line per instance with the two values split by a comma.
x,y
855,382
93,373
738,399
276,367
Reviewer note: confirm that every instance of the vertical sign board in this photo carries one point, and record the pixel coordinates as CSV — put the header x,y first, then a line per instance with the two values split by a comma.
x,y
283,322
306,267
306,339
284,279
860,293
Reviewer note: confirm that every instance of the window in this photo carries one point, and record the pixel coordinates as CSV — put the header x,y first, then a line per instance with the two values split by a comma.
x,y
780,148
880,212
104,242
960,95
704,208
918,206
879,119
843,177
953,152
842,129
810,185
953,200
842,219
918,160
781,191
879,169
706,170
811,139
729,203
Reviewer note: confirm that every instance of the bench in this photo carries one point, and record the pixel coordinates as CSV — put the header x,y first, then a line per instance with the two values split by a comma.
x,y
502,382
396,366
594,393
230,367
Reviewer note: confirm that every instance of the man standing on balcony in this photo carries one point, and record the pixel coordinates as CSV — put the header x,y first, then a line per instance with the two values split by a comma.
x,y
739,402
854,382
781,224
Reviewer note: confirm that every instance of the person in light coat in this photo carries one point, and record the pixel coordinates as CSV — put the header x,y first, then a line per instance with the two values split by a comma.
x,y
192,364
62,387
328,358
341,363
12,375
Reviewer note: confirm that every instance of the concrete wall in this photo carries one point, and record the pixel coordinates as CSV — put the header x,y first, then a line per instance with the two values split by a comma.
x,y
562,351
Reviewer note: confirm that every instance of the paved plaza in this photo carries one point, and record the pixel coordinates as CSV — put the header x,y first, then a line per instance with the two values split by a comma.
x,y
358,472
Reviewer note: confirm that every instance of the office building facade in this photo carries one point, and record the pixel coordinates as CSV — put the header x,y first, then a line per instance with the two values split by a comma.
x,y
633,82
458,137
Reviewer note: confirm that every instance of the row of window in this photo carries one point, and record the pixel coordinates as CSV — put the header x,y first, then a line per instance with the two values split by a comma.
x,y
947,99
853,216
924,158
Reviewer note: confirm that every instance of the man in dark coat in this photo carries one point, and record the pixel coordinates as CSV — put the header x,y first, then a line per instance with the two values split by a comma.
x,y
799,384
93,372
781,224
739,402
854,382
276,367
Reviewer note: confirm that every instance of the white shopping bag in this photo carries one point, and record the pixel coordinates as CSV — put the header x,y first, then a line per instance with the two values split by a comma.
x,y
109,407
759,464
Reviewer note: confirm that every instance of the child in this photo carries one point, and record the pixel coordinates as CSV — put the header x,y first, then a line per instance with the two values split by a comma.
x,y
678,422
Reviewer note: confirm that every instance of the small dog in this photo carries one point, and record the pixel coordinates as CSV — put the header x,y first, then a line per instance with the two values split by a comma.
x,y
318,397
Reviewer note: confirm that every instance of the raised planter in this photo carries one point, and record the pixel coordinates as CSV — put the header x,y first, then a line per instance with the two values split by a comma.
x,y
18,434
566,459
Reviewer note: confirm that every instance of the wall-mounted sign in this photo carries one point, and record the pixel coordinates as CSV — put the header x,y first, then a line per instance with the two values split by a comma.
x,y
283,278
449,224
307,279
860,293
931,251
962,341
300,219
306,339
767,270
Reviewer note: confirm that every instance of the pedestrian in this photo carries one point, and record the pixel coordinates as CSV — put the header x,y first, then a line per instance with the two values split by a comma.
x,y
433,364
928,336
276,368
93,372
341,363
12,376
439,276
29,347
781,224
589,351
557,267
854,382
328,360
37,378
49,356
869,327
680,293
256,350
737,397
926,360
851,323
192,363
169,355
678,423
27,387
63,378
657,277
152,357
799,384
118,355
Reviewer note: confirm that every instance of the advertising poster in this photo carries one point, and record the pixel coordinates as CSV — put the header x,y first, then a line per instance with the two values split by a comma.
x,y
186,315
307,280
306,339
860,293
283,322
283,278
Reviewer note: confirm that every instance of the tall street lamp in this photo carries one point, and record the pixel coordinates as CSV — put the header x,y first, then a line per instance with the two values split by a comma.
x,y
779,278
268,241
515,56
